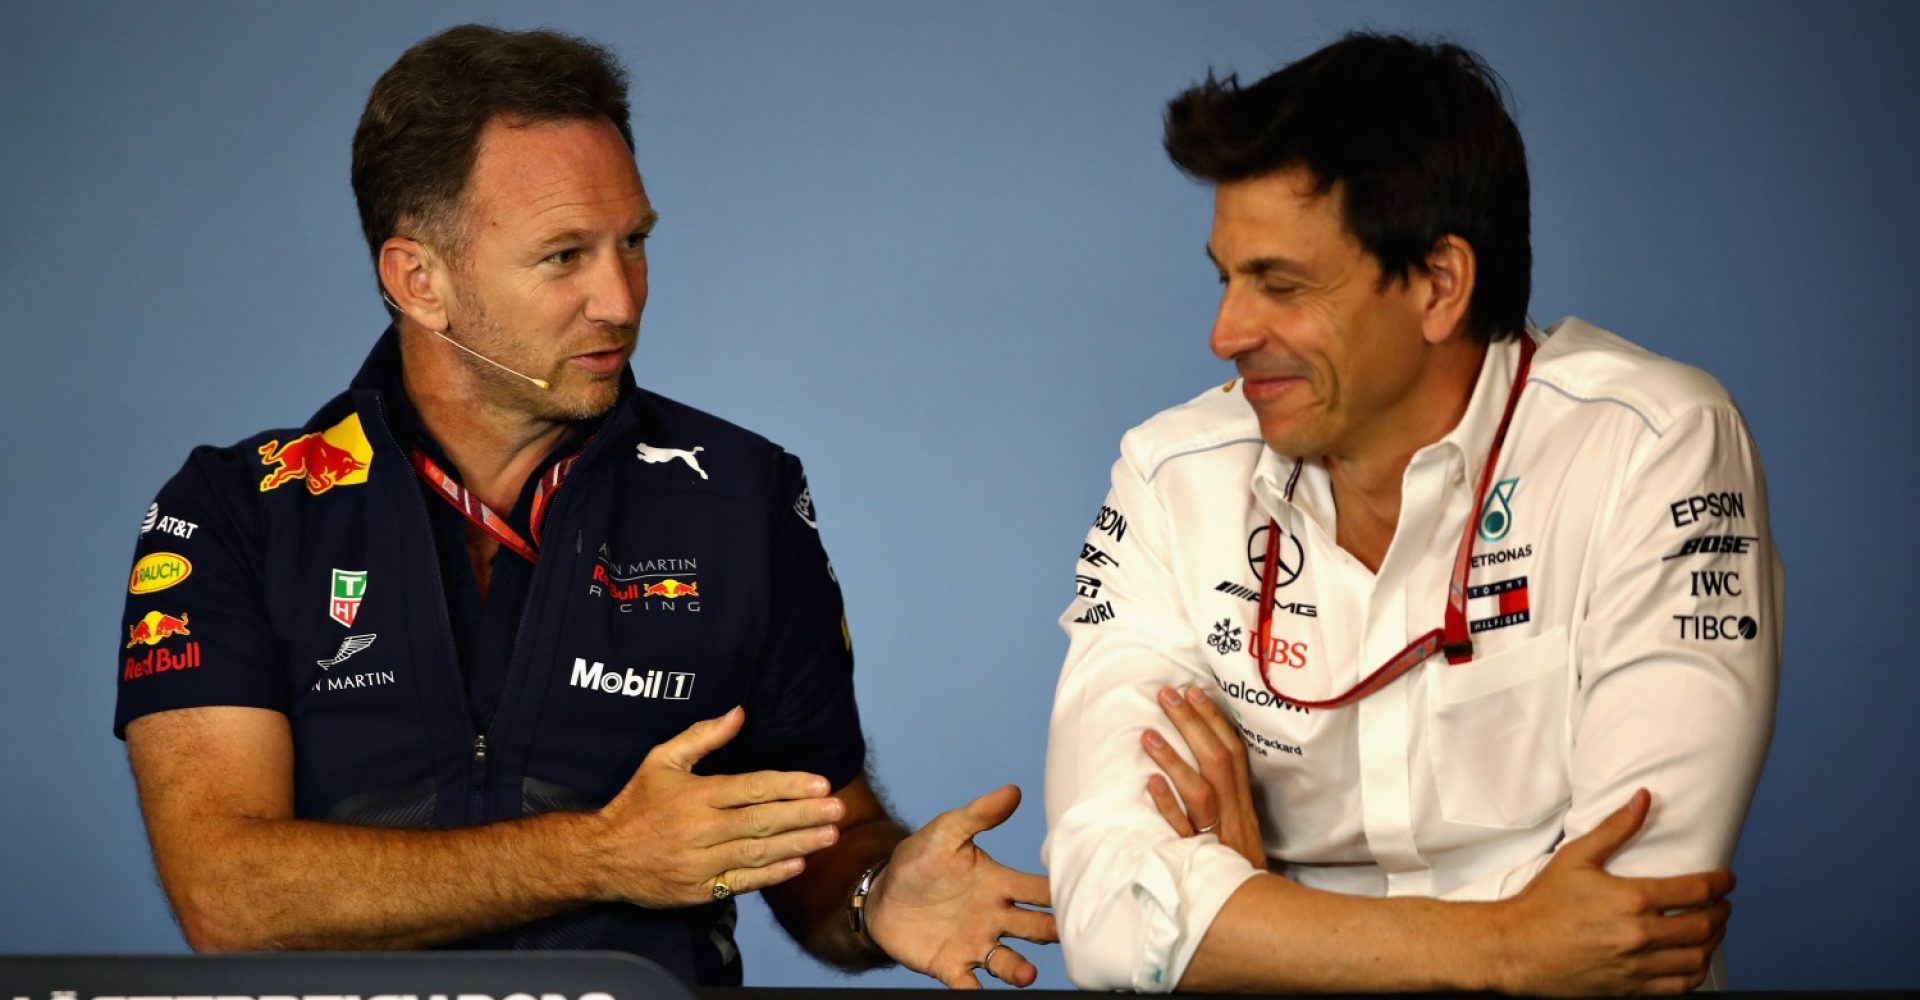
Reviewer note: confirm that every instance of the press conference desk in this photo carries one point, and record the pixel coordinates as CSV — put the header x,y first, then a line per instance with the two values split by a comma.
x,y
411,976
857,993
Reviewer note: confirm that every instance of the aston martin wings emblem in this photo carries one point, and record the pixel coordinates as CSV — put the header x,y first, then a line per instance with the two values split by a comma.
x,y
350,645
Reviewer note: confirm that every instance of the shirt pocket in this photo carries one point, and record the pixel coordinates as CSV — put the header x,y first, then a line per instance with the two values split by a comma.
x,y
1499,734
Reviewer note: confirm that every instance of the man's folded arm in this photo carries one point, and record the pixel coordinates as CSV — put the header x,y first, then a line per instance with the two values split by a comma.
x,y
216,788
1686,717
1678,674
1141,908
1132,898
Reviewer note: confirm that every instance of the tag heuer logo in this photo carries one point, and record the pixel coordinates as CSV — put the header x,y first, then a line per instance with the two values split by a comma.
x,y
349,589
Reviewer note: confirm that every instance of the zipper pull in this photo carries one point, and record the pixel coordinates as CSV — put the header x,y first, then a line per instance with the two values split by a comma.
x,y
480,749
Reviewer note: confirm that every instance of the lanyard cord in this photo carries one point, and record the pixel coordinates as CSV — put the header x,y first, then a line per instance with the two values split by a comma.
x,y
476,511
1453,639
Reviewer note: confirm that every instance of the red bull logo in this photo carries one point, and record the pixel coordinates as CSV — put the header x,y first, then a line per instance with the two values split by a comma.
x,y
337,456
670,589
646,586
156,627
160,661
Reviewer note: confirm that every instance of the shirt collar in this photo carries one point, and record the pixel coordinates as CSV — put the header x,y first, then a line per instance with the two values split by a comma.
x,y
1280,481
1472,437
381,374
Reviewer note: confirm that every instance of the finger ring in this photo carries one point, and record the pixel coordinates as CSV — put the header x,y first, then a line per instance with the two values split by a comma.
x,y
721,890
1209,828
986,962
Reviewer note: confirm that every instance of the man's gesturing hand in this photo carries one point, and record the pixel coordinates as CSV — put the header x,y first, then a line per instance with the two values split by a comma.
x,y
671,834
942,904
1216,799
1578,930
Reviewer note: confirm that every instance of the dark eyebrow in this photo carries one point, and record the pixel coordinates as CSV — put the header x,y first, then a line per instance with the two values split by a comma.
x,y
561,238
1260,267
577,236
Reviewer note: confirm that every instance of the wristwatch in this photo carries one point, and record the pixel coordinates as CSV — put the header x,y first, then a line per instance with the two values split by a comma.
x,y
857,903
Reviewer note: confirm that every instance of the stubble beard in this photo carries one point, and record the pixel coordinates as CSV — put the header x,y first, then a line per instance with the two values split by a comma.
x,y
513,391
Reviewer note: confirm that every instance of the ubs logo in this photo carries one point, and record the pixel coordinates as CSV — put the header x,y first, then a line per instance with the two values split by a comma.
x,y
1292,559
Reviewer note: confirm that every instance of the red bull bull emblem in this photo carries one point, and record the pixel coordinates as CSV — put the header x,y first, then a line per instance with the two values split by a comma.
x,y
670,589
155,628
337,456
667,584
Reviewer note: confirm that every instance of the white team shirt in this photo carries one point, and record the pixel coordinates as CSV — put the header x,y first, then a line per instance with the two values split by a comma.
x,y
1625,602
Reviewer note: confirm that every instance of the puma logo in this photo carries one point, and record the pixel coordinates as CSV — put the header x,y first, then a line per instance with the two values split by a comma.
x,y
654,456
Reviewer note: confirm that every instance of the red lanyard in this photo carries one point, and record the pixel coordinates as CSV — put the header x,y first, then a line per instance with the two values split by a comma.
x,y
474,510
1453,639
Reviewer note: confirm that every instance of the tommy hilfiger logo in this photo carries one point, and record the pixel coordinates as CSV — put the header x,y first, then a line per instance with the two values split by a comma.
x,y
1503,603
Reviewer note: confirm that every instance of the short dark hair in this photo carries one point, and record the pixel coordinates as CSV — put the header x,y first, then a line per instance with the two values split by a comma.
x,y
1415,134
420,133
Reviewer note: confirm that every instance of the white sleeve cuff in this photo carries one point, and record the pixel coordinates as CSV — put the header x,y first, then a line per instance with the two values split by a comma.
x,y
1181,887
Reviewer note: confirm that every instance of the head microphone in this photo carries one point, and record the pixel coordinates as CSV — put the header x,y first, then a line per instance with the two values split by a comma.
x,y
538,382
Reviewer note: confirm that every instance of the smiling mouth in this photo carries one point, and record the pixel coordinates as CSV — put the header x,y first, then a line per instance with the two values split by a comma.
x,y
1260,388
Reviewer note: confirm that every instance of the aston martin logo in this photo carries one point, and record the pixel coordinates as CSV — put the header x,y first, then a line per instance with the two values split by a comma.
x,y
350,645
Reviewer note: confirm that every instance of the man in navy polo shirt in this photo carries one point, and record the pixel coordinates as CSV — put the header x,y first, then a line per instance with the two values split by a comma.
x,y
498,649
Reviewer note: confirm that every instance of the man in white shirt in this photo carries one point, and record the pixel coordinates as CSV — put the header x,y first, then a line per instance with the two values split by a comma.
x,y
1518,589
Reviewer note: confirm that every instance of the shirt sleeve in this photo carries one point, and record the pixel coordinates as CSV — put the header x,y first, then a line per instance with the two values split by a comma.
x,y
803,716
195,631
1679,653
1132,898
1678,658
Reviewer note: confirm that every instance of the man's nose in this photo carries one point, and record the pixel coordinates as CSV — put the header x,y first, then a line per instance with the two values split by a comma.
x,y
1234,333
618,291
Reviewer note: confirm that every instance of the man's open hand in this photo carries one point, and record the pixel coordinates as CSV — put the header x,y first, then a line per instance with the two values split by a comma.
x,y
942,904
670,835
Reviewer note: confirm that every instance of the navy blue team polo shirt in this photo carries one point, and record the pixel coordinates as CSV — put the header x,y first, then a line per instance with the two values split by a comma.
x,y
680,573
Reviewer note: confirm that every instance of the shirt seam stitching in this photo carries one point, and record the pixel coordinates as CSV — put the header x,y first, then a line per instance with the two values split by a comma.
x,y
1630,408
1196,451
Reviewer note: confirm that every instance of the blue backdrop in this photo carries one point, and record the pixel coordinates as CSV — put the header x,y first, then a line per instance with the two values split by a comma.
x,y
935,250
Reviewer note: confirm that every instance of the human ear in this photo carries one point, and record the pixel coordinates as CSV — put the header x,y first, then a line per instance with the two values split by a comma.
x,y
408,282
1451,270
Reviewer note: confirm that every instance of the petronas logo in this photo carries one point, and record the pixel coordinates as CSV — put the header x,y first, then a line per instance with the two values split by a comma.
x,y
1496,517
